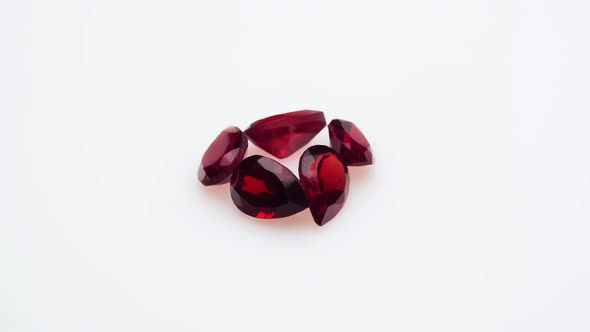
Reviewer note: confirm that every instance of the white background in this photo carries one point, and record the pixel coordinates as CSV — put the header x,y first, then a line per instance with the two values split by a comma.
x,y
475,217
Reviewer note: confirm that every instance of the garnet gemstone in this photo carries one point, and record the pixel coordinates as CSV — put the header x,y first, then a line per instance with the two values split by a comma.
x,y
350,143
263,188
325,180
283,134
223,156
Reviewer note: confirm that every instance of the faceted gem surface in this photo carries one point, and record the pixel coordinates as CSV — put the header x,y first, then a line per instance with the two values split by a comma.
x,y
283,134
223,156
325,180
263,188
350,143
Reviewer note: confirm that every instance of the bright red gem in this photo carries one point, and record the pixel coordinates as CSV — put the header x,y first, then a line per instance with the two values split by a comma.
x,y
223,156
283,134
263,188
325,180
350,143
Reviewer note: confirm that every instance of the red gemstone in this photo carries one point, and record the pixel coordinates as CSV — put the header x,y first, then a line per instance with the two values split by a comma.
x,y
283,134
324,178
263,188
223,156
350,143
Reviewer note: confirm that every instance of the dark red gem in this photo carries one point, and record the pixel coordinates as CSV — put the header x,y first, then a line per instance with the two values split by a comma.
x,y
283,134
223,156
324,178
263,188
350,143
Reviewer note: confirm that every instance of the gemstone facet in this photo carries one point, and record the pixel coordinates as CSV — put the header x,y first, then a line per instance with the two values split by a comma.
x,y
283,134
223,156
350,143
324,178
263,188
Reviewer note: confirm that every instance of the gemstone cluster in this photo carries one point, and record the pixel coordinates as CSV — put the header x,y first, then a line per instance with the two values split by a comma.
x,y
263,188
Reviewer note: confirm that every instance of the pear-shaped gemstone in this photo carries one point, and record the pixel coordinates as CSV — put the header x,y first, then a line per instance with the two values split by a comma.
x,y
283,134
223,156
324,178
263,188
350,143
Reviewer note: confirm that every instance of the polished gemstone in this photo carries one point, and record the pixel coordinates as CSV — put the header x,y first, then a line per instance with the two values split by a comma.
x,y
324,178
223,156
263,188
283,134
350,143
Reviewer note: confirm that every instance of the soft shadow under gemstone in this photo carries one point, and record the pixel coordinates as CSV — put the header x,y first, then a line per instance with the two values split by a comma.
x,y
350,143
263,188
283,134
324,178
223,156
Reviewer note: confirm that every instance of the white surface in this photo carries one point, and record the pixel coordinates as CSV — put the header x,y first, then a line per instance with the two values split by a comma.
x,y
474,218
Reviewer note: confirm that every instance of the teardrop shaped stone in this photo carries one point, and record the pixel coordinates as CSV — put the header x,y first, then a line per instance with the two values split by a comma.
x,y
263,188
223,156
283,134
350,143
324,178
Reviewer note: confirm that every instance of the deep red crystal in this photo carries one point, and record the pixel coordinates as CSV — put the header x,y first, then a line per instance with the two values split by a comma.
x,y
223,156
283,134
263,188
324,178
350,143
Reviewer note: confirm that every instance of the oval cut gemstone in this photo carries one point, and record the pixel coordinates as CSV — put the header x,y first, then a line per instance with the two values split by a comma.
x,y
283,134
223,156
350,143
324,178
263,188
